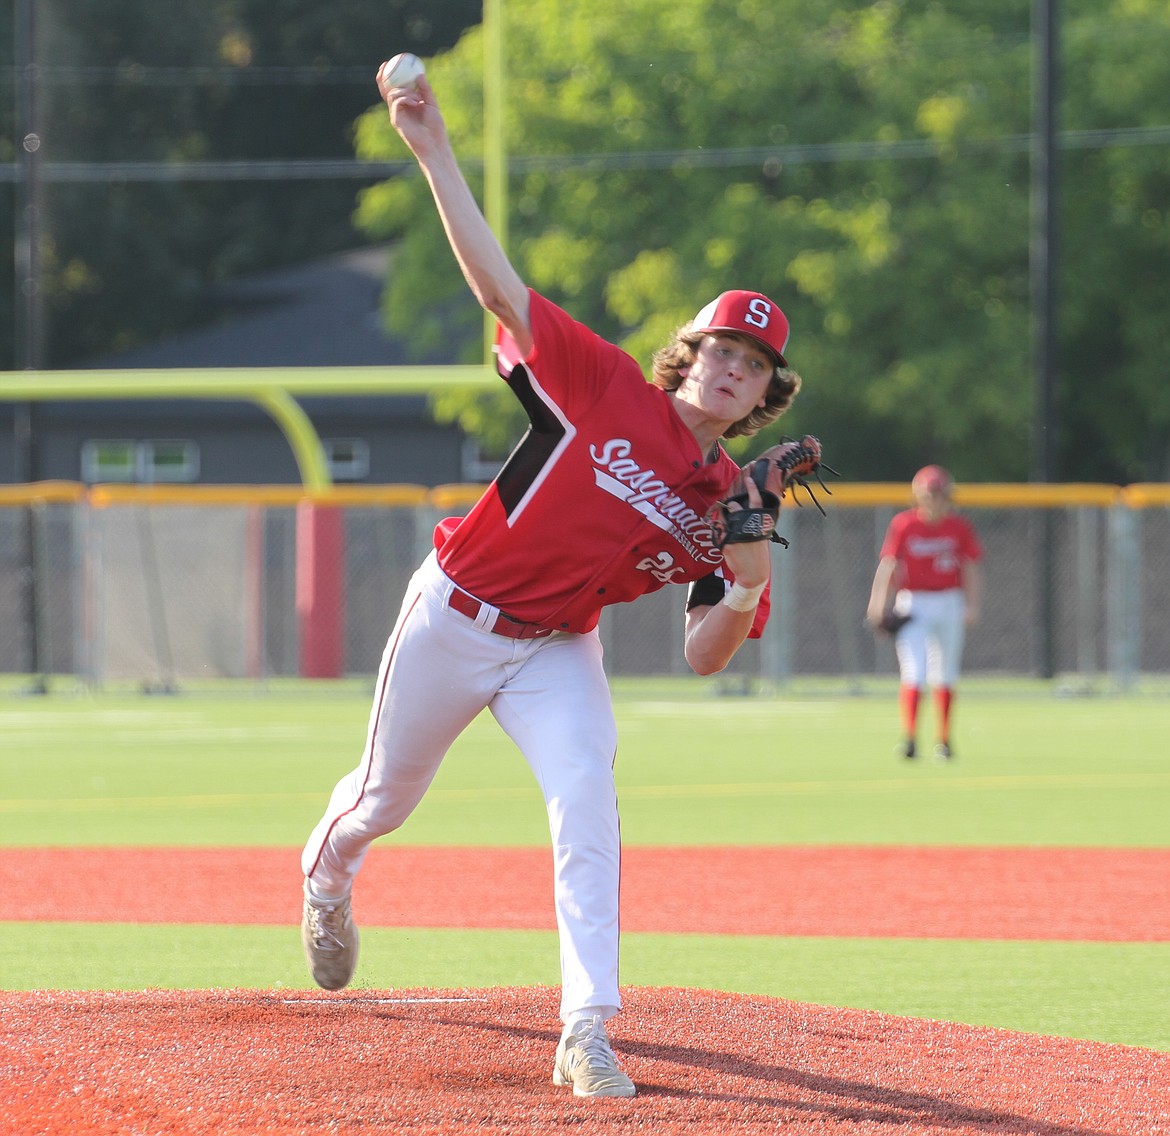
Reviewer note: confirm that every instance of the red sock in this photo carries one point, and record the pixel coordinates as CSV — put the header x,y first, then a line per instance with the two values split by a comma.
x,y
943,697
908,704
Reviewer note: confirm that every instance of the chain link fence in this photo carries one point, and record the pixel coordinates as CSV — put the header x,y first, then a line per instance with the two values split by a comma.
x,y
158,588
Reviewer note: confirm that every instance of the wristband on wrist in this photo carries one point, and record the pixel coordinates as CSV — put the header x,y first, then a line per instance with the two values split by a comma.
x,y
739,598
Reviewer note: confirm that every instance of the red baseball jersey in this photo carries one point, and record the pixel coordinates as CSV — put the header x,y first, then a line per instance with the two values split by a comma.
x,y
603,500
931,556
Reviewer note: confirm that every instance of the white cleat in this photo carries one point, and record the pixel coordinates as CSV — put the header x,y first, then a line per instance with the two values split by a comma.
x,y
330,939
586,1061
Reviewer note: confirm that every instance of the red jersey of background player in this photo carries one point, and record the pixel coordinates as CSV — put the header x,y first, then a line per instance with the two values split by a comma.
x,y
607,446
930,555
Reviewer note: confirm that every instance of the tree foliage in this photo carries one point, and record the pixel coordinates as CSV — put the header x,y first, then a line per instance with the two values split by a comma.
x,y
865,165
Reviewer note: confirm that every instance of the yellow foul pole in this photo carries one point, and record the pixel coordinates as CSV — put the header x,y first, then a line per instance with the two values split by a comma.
x,y
495,163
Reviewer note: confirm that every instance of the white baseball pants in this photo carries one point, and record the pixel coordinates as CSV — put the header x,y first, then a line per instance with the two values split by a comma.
x,y
550,695
930,646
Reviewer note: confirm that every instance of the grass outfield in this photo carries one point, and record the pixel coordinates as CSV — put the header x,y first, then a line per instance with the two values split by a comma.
x,y
694,768
1110,992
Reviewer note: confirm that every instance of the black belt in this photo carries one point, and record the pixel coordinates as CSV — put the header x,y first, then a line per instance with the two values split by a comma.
x,y
469,606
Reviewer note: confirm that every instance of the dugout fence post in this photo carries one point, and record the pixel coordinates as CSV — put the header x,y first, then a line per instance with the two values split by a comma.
x,y
320,589
1087,535
1123,597
40,655
777,648
255,609
94,610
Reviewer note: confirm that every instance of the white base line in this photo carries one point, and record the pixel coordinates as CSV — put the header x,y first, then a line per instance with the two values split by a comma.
x,y
375,1001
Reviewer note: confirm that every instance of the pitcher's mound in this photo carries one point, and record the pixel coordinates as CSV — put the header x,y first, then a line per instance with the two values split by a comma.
x,y
480,1061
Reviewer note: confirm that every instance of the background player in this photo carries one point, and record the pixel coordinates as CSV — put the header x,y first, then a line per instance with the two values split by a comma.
x,y
929,569
603,500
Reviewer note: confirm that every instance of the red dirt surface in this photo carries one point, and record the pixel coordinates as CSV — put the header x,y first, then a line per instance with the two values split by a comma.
x,y
252,1062
234,1062
1110,895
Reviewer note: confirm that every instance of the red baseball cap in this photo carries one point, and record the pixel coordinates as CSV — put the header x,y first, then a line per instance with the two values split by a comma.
x,y
932,479
746,313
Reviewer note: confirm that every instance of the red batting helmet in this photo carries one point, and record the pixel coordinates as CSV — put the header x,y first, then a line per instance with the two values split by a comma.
x,y
746,313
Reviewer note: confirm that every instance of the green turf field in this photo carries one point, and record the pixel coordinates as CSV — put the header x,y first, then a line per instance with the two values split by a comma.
x,y
694,767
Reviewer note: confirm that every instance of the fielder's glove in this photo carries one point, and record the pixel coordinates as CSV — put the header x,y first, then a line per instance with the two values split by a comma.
x,y
891,623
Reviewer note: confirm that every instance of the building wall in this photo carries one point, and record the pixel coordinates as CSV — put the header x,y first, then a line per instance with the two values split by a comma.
x,y
239,443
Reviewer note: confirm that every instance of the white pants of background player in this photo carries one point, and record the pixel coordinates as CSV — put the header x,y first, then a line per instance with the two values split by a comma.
x,y
930,646
550,695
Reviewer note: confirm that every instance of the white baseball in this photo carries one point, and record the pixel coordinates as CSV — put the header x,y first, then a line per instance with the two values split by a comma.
x,y
403,71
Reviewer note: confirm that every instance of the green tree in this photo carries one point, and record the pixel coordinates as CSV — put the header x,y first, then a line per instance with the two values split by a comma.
x,y
867,166
1115,280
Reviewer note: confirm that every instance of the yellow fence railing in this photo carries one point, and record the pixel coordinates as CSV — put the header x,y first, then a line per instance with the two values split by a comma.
x,y
854,495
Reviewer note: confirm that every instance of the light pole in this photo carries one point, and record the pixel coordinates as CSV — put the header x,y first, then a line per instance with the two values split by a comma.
x,y
29,300
495,162
1043,261
29,314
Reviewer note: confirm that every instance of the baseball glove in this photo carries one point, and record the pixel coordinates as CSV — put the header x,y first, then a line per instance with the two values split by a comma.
x,y
891,623
735,520
792,463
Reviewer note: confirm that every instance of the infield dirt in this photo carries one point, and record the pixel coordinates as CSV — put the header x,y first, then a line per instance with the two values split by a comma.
x,y
1100,894
479,1061
464,1061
